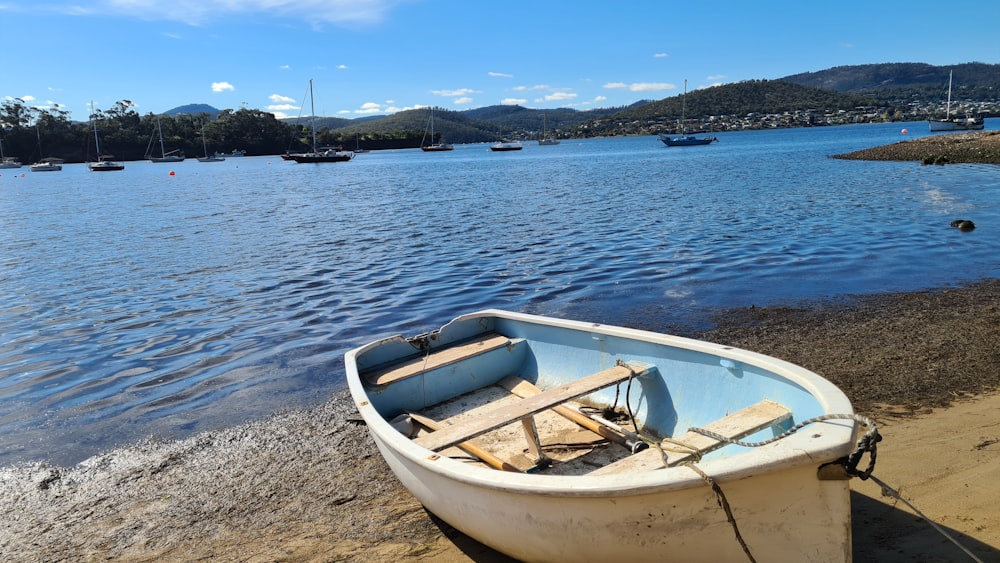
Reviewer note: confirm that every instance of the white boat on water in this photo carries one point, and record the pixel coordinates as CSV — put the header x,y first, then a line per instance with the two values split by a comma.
x,y
204,147
506,145
8,162
500,424
172,156
949,123
104,162
546,141
439,146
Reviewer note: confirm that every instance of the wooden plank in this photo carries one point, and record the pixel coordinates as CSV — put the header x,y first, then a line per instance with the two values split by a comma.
x,y
504,415
437,358
471,447
614,433
737,425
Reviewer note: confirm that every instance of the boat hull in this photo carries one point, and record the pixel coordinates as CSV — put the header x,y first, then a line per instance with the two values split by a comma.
x,y
783,510
970,124
506,147
322,157
105,166
438,148
687,141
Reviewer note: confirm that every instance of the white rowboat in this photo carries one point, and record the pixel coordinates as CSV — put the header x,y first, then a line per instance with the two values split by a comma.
x,y
487,422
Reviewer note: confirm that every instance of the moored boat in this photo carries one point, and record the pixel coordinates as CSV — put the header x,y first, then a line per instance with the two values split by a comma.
x,y
104,162
500,424
506,145
686,140
949,123
320,154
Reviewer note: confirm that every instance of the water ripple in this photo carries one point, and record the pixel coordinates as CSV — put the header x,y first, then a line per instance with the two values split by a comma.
x,y
144,303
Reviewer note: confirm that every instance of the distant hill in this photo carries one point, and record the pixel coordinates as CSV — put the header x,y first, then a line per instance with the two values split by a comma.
x,y
919,81
841,88
741,98
194,109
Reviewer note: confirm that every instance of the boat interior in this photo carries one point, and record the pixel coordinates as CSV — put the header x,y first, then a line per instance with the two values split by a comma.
x,y
497,399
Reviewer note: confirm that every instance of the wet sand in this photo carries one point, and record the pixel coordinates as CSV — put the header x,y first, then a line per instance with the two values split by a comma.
x,y
309,485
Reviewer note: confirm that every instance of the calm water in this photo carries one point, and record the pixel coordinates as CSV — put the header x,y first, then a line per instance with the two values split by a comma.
x,y
138,303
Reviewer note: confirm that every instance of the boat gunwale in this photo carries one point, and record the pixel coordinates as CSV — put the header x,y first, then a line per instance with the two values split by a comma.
x,y
789,453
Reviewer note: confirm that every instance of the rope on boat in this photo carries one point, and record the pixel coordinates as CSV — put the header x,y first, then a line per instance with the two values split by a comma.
x,y
720,497
868,443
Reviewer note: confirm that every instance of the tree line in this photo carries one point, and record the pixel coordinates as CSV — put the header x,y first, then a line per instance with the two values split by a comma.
x,y
31,134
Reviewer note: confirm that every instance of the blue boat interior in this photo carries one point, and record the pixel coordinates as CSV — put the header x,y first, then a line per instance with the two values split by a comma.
x,y
685,388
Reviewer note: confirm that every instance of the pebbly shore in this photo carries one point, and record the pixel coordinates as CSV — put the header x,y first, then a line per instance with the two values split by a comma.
x,y
981,147
309,485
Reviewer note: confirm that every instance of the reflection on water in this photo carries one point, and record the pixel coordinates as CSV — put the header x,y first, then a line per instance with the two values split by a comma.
x,y
140,303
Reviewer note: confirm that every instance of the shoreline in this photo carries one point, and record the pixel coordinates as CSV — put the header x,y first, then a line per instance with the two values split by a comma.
x,y
309,485
978,147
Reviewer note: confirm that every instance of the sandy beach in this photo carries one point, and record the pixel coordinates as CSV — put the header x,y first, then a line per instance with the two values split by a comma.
x,y
309,485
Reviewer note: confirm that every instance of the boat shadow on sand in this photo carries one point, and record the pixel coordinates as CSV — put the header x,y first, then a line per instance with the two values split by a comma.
x,y
882,532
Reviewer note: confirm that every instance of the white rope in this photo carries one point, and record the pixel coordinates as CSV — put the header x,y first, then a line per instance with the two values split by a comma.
x,y
888,491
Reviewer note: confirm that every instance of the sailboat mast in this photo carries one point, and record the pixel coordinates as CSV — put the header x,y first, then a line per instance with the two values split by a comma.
x,y
159,131
947,107
684,106
97,142
312,111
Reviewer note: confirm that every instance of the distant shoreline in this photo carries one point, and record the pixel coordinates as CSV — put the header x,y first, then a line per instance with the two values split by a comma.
x,y
979,147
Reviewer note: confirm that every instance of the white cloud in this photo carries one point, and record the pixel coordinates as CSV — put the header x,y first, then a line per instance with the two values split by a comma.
x,y
222,87
500,75
278,98
600,99
532,88
285,67
560,97
463,101
641,86
513,101
196,12
650,86
342,67
660,55
716,77
453,93
369,108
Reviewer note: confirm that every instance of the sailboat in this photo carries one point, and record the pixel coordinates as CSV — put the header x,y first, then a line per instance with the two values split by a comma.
x,y
320,154
204,147
45,164
955,124
543,140
8,162
357,145
172,156
685,140
104,161
434,147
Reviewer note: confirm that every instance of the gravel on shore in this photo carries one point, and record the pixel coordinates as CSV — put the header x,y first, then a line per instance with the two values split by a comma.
x,y
981,147
309,485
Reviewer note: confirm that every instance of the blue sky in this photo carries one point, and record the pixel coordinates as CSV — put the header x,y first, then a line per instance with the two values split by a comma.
x,y
370,57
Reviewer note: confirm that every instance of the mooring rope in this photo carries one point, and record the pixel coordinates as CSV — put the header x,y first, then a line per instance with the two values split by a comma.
x,y
888,491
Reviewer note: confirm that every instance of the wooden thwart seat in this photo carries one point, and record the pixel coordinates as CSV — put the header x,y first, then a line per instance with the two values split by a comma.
x,y
436,359
737,425
463,431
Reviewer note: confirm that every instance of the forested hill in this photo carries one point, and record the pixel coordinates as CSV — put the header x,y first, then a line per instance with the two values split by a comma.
x,y
741,98
885,81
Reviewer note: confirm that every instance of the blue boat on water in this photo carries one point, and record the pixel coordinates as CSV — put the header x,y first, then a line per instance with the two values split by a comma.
x,y
559,440
686,140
